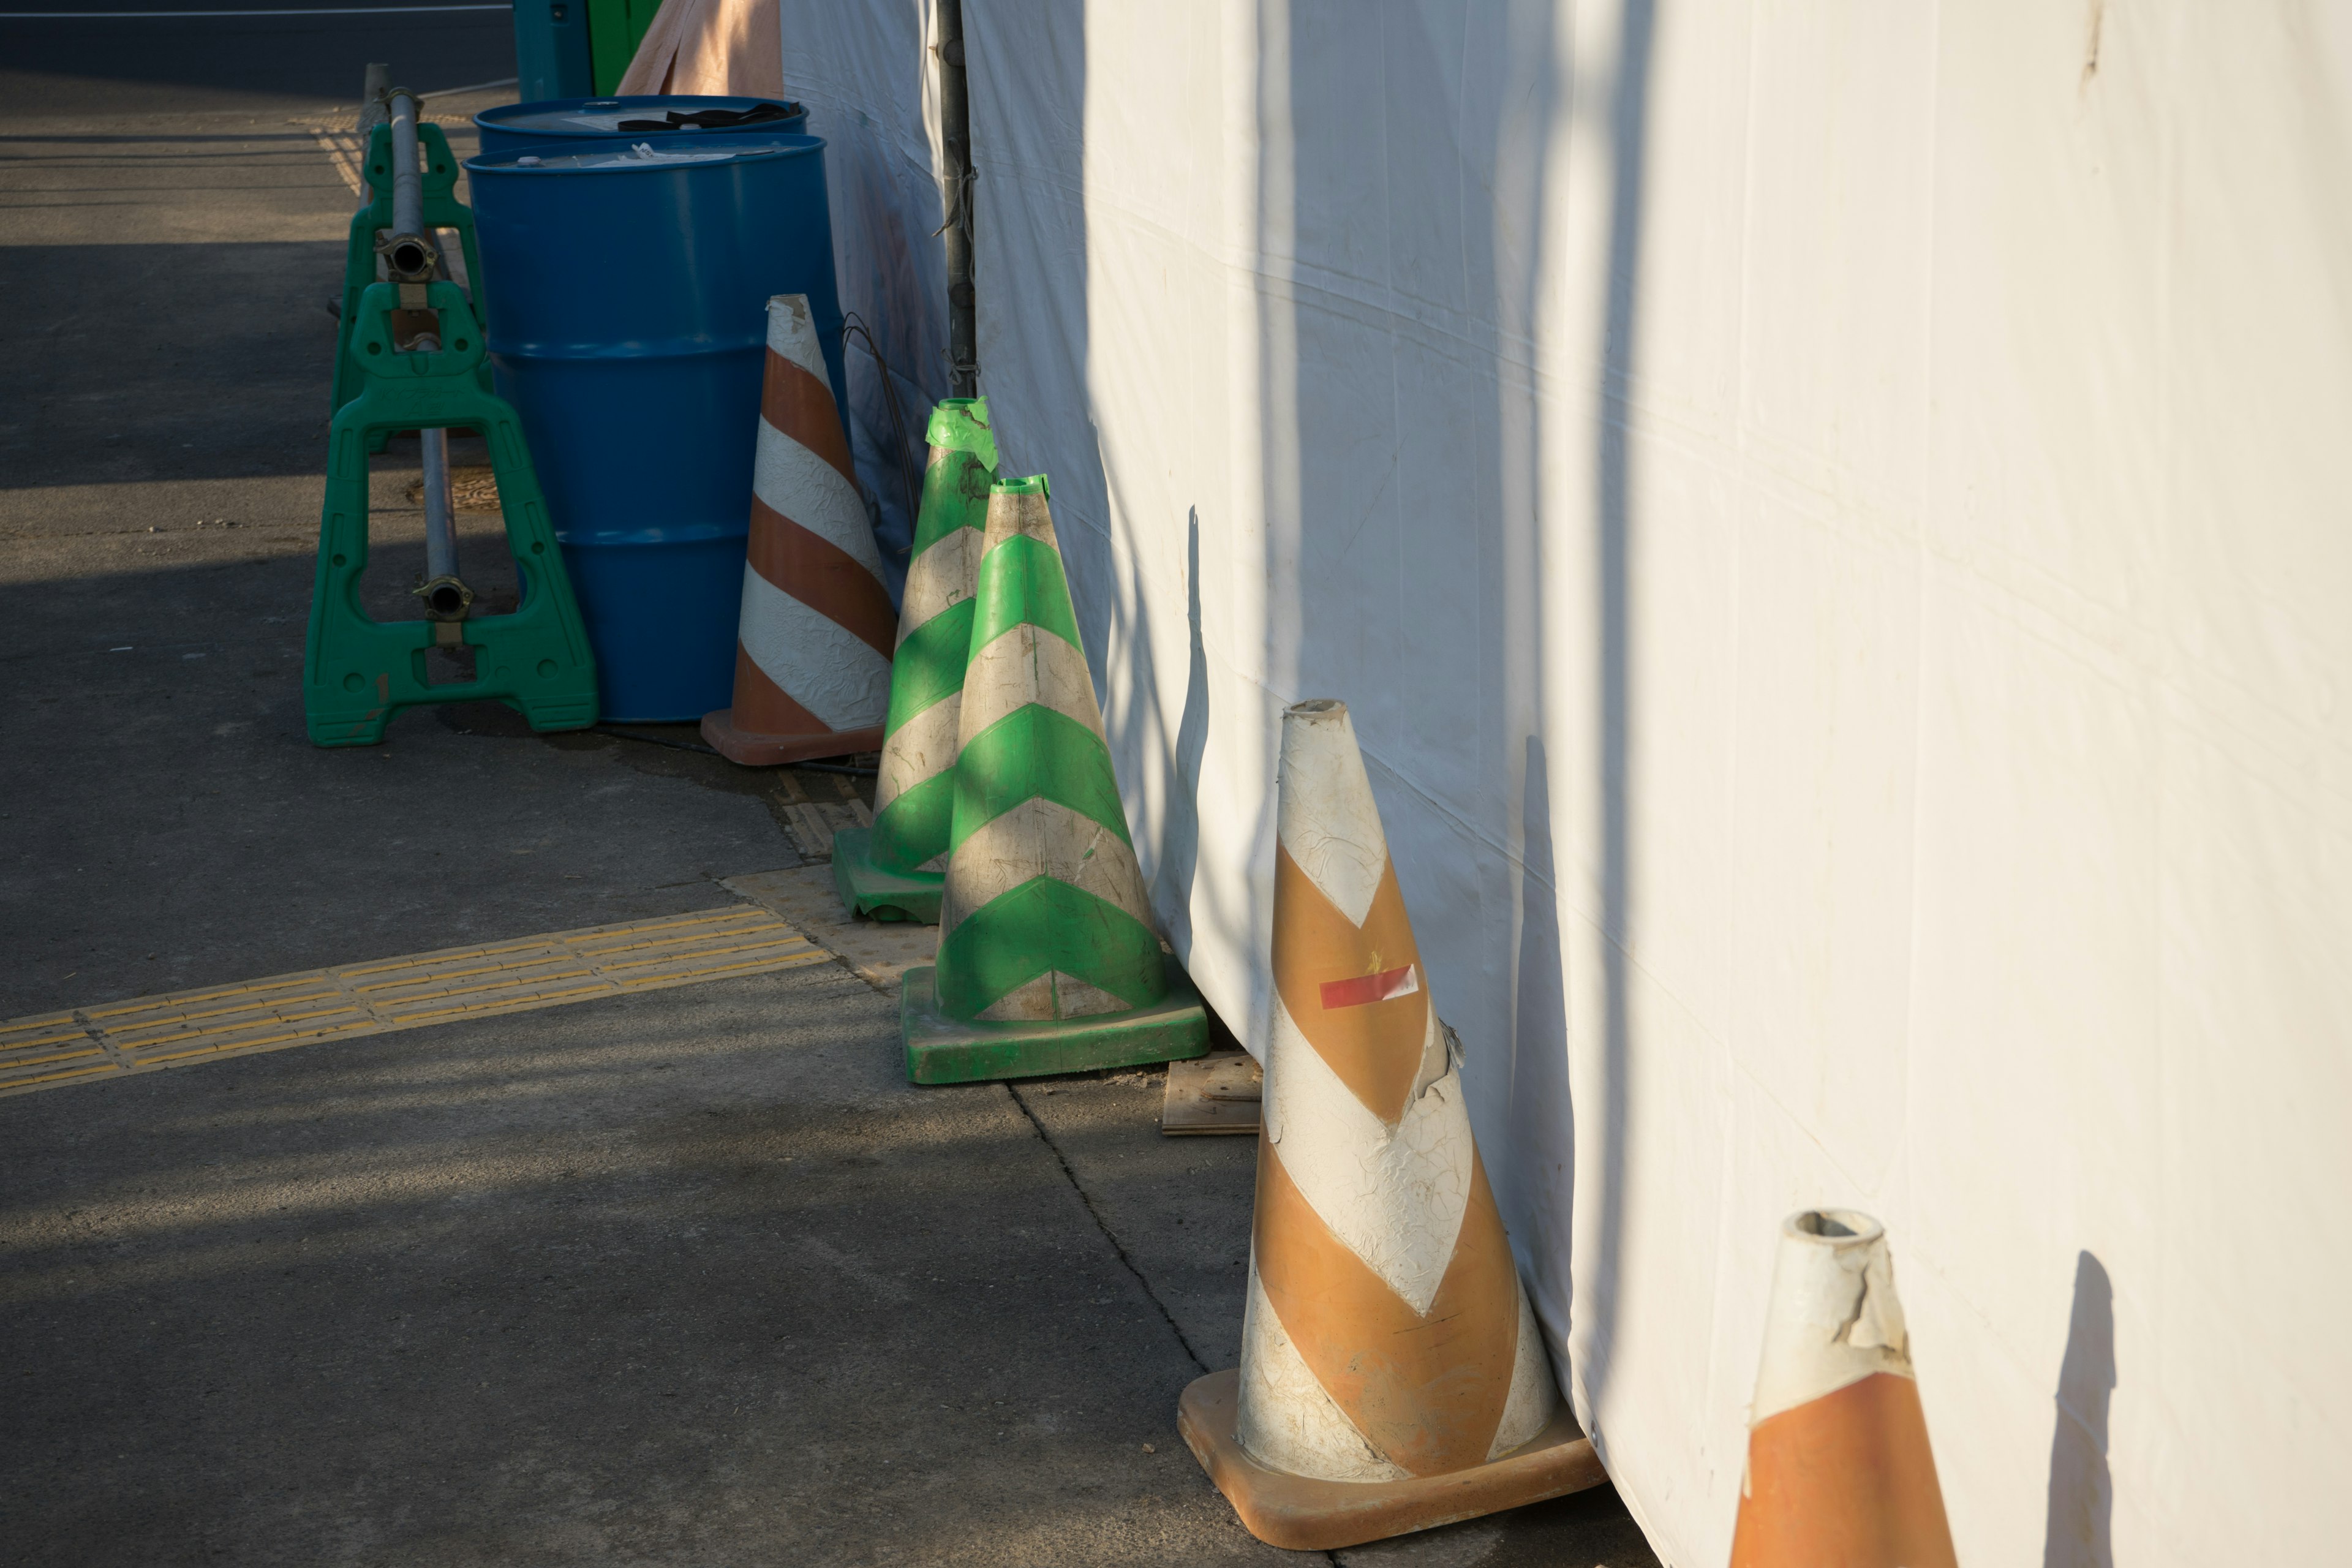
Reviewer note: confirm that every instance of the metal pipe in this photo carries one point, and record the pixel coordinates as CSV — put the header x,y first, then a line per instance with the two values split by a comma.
x,y
373,85
957,173
440,528
407,253
412,257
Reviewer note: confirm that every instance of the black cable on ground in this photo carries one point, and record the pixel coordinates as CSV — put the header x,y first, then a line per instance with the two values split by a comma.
x,y
851,324
656,741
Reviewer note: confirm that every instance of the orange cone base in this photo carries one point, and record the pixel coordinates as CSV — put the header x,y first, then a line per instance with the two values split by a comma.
x,y
757,750
1301,1513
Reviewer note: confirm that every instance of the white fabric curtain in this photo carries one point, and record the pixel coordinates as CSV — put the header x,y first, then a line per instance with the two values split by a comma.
x,y
1830,521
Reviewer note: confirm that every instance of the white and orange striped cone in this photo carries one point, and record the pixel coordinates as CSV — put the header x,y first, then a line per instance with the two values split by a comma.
x,y
1839,1471
1392,1377
813,647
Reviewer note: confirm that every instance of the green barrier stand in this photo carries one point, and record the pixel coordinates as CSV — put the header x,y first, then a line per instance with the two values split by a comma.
x,y
442,210
357,672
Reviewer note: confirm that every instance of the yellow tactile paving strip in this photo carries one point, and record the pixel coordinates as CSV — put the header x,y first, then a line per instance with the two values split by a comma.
x,y
98,1044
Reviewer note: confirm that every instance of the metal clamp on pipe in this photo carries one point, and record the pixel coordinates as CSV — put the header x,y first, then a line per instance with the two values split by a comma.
x,y
411,260
448,603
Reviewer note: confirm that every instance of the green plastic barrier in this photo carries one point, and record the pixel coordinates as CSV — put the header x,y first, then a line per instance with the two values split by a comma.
x,y
442,210
358,673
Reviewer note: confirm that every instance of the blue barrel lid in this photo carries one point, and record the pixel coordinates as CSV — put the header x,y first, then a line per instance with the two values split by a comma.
x,y
645,156
657,115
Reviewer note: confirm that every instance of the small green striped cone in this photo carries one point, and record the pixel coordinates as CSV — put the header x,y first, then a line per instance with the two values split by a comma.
x,y
894,870
1048,958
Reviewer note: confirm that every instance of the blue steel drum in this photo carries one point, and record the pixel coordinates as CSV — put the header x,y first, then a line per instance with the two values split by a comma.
x,y
578,123
628,298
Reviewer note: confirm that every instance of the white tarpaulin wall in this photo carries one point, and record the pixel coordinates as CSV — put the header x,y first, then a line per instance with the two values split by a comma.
x,y
1832,519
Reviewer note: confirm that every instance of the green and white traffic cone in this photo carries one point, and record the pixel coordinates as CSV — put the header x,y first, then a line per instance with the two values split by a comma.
x,y
1049,960
894,870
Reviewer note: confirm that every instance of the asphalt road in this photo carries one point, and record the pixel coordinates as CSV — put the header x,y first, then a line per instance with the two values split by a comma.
x,y
686,1276
106,67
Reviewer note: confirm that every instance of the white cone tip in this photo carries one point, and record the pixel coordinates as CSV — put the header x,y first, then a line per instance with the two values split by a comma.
x,y
791,334
1326,816
1833,1318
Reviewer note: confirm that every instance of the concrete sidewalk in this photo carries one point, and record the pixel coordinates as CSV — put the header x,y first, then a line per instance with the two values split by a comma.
x,y
685,1277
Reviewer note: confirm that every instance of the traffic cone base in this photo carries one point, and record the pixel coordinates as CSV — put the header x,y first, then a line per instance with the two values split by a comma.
x,y
761,750
867,889
1304,1513
942,1049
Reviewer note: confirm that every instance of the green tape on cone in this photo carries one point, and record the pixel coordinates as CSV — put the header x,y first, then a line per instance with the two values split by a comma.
x,y
894,870
1035,753
1026,587
1048,927
1049,960
928,669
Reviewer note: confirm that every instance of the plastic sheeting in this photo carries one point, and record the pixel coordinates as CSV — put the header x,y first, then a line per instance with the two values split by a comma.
x,y
711,48
1830,521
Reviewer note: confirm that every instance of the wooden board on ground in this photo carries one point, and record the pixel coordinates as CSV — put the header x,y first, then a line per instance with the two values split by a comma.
x,y
818,805
879,951
1215,1093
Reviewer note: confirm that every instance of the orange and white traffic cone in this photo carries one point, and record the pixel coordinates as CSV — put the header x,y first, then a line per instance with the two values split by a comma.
x,y
1392,1377
814,643
1838,1472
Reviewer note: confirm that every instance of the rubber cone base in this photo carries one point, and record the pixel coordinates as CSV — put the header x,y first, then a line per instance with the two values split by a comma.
x,y
943,1049
757,750
868,889
1301,1513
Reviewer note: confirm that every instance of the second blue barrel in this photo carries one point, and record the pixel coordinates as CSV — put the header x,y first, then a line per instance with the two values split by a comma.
x,y
627,300
579,123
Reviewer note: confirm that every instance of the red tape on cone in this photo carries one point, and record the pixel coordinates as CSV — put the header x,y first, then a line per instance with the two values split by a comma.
x,y
1386,986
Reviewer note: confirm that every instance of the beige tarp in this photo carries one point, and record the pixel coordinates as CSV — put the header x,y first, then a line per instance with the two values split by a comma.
x,y
719,47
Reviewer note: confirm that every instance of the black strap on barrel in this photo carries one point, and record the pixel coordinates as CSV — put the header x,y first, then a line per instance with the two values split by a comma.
x,y
712,119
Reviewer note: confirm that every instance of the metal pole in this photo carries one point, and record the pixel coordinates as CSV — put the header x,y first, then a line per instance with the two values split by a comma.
x,y
955,147
443,591
411,258
406,252
373,85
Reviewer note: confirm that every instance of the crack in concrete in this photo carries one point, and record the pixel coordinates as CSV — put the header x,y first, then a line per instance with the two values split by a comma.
x,y
1104,1226
1120,1250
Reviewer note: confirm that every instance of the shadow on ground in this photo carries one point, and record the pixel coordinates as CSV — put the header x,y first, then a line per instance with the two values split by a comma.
x,y
689,1276
693,1277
